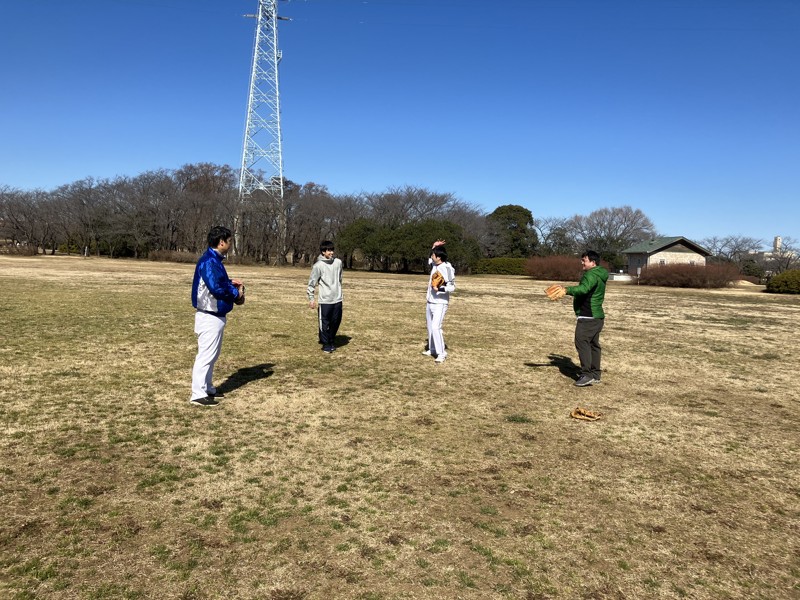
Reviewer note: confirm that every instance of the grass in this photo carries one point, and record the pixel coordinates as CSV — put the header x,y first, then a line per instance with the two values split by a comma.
x,y
373,473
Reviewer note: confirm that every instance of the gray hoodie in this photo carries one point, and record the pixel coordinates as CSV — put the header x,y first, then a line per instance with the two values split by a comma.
x,y
328,274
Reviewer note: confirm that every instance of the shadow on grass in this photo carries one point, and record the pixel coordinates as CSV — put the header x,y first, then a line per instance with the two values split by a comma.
x,y
563,363
244,376
341,340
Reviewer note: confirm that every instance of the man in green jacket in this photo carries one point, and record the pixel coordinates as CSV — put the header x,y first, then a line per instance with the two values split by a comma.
x,y
587,301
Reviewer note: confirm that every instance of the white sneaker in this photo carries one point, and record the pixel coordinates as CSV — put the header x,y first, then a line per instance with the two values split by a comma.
x,y
440,359
426,352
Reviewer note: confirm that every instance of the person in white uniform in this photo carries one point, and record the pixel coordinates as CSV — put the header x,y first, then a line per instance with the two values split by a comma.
x,y
438,300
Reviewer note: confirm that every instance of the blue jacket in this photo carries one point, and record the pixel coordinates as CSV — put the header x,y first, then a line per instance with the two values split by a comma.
x,y
212,290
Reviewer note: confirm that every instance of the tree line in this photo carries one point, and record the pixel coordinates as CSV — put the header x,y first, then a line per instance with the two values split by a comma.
x,y
164,212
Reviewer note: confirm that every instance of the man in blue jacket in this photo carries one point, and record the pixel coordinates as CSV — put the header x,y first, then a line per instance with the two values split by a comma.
x,y
587,302
213,295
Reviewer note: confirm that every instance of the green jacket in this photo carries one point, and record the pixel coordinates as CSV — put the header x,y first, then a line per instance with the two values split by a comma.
x,y
588,295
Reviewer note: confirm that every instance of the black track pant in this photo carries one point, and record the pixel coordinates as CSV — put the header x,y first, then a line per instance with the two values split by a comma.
x,y
330,317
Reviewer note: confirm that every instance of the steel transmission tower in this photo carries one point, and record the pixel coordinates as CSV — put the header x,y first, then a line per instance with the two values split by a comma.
x,y
262,154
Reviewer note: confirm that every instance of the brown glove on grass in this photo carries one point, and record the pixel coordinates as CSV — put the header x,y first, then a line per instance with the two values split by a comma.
x,y
584,415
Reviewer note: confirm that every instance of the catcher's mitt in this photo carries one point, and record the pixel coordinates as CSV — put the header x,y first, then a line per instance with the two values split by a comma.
x,y
437,280
555,292
584,415
239,300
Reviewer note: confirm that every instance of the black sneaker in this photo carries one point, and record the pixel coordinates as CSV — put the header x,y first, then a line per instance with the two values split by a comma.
x,y
327,349
584,381
207,401
217,394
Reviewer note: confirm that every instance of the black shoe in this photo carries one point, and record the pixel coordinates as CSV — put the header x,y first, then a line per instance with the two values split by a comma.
x,y
217,395
584,381
207,401
328,349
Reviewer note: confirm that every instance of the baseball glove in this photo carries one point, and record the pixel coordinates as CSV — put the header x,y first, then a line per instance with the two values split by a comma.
x,y
555,292
240,298
584,415
437,280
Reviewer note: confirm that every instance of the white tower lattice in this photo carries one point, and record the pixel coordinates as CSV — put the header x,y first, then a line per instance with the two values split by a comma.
x,y
262,154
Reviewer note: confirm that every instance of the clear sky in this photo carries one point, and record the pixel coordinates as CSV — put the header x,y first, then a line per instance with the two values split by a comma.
x,y
686,109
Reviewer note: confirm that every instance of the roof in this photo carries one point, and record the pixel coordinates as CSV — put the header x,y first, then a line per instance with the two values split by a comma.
x,y
662,243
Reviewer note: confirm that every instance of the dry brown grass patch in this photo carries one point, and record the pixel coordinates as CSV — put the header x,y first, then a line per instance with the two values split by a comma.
x,y
371,473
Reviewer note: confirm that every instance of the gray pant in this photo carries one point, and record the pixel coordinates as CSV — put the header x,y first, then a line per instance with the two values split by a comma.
x,y
587,343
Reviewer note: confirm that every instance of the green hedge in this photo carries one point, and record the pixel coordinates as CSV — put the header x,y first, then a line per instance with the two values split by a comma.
x,y
787,282
499,266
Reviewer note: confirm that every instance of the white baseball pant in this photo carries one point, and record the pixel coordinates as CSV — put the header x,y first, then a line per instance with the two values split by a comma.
x,y
209,330
435,317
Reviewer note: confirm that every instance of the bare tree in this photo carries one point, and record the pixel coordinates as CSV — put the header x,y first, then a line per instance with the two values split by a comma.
x,y
470,219
555,237
310,221
610,230
22,219
65,219
203,187
172,210
85,208
733,248
150,212
400,205
784,257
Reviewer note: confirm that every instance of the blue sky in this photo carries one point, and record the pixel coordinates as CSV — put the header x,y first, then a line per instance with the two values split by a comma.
x,y
686,109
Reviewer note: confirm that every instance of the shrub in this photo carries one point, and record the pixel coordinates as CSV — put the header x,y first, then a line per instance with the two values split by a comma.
x,y
690,276
19,249
553,268
499,266
787,282
238,259
172,256
71,249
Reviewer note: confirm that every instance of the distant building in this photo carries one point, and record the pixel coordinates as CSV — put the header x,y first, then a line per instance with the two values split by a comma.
x,y
664,251
777,252
779,259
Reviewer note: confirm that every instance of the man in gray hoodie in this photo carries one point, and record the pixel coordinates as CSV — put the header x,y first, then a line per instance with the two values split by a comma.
x,y
327,273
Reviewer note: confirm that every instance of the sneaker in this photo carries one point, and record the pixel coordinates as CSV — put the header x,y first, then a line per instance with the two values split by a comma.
x,y
207,401
216,394
426,352
440,359
584,381
327,349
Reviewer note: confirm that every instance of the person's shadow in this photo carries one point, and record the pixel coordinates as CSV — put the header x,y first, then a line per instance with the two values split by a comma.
x,y
244,376
563,363
341,340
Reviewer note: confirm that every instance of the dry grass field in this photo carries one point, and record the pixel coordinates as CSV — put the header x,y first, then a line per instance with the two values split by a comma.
x,y
372,473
